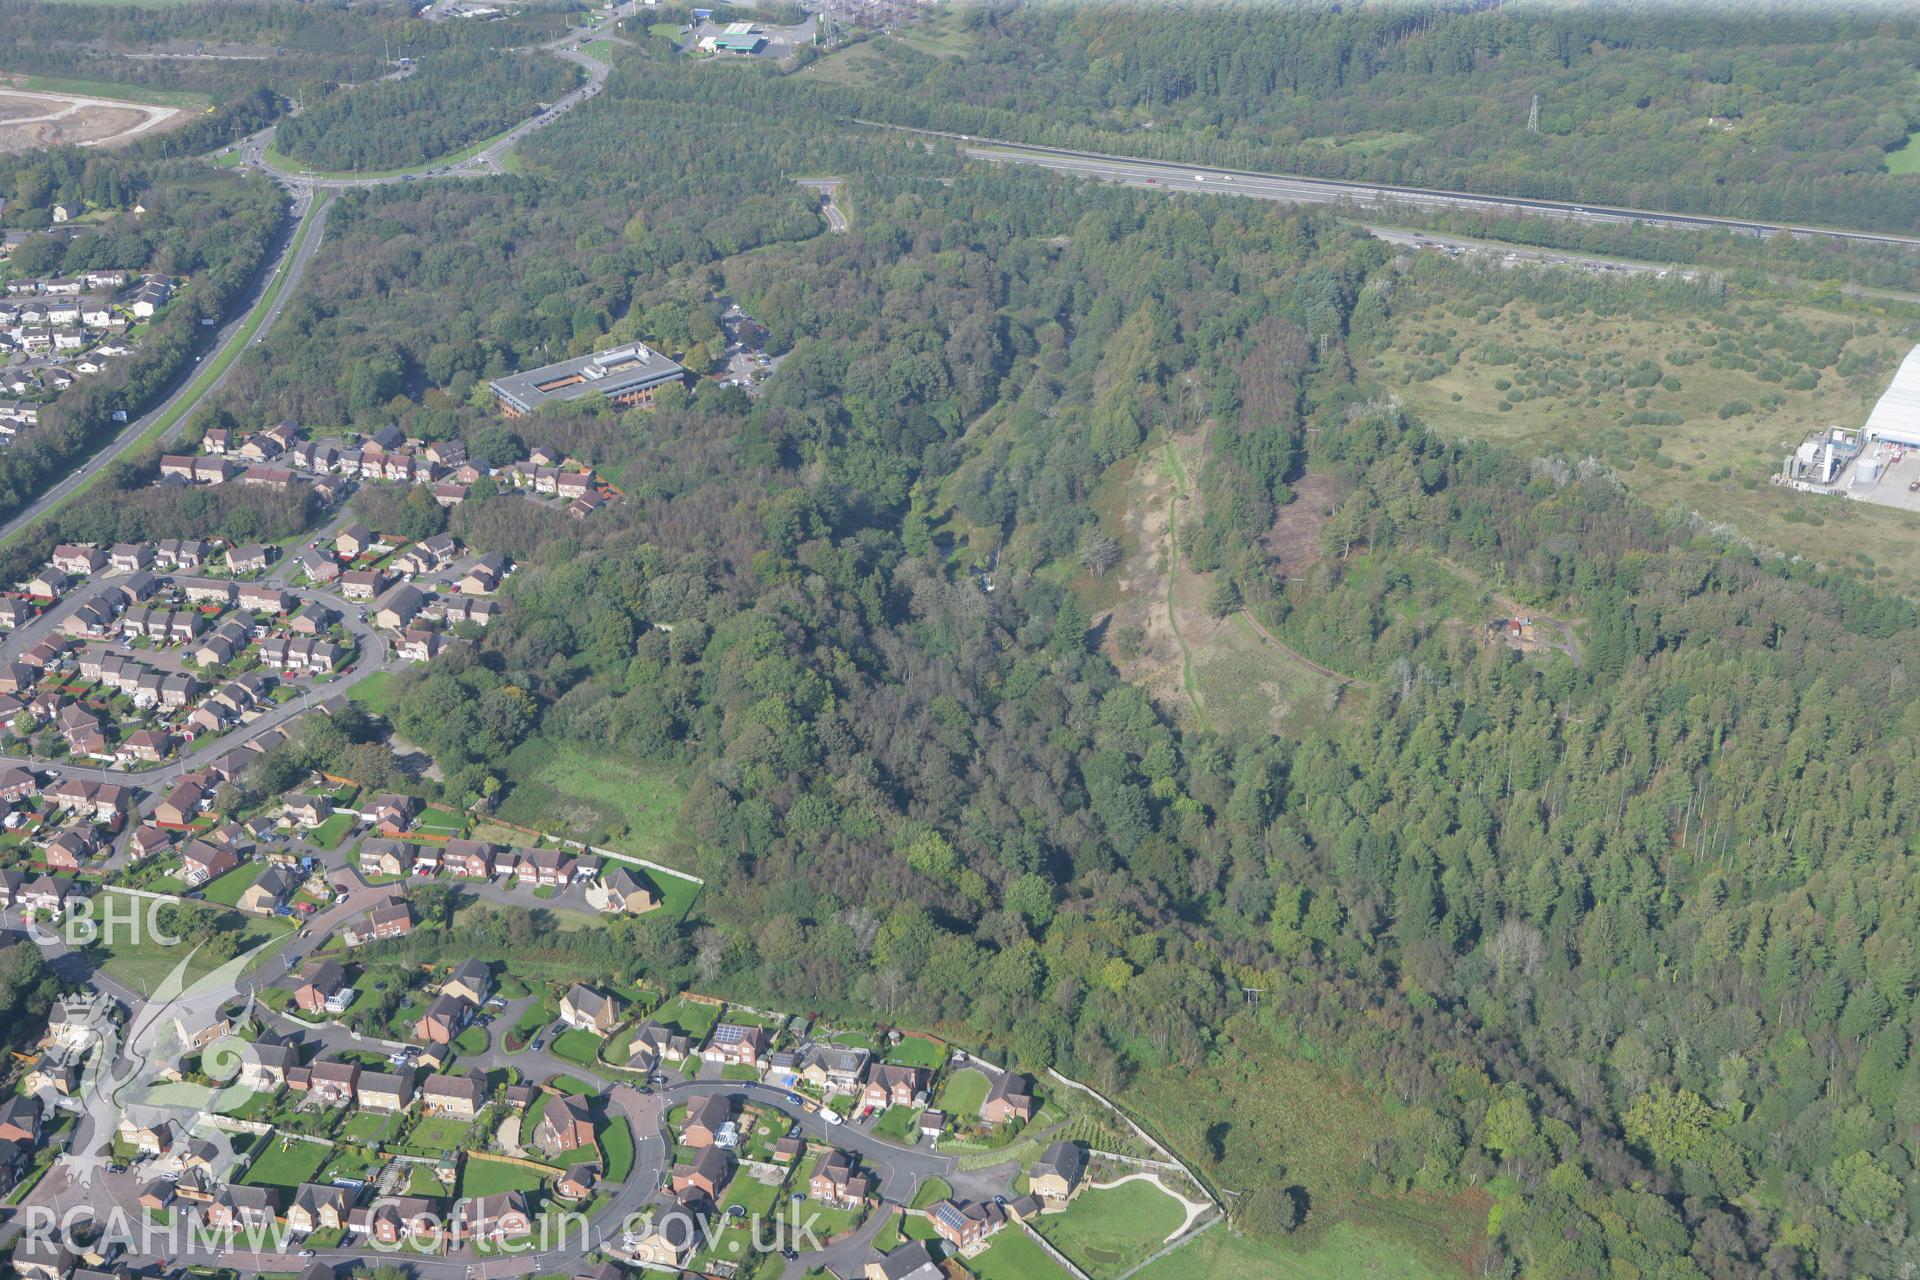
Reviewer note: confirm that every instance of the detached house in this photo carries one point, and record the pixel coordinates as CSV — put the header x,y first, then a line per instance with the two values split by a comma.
x,y
565,1125
1010,1098
460,1096
837,1181
893,1086
323,988
706,1116
443,1020
590,1010
735,1045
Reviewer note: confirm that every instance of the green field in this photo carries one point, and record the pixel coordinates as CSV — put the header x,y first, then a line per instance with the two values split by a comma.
x,y
374,692
144,964
1106,1232
962,1092
298,1162
1344,1253
1256,1106
120,92
627,806
227,889
1738,386
490,1177
1014,1256
1907,158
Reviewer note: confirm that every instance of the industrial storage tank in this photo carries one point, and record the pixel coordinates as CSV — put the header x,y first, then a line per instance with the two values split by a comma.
x,y
1867,471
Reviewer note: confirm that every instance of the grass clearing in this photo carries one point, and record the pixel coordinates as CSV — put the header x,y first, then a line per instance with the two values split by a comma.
x,y
143,963
1344,1253
1108,1231
689,1016
227,889
616,1145
374,692
631,807
1256,1105
1643,389
931,1192
439,1133
962,1093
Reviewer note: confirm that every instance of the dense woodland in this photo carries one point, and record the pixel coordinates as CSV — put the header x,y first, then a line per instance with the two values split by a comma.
x,y
452,98
1626,946
228,48
1764,111
1622,950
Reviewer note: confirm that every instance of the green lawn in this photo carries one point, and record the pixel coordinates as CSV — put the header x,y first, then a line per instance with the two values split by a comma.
x,y
369,1127
330,833
898,1124
1014,1256
472,1040
962,1093
373,691
1346,1252
931,1192
144,963
490,1177
531,1119
915,1052
616,1144
690,1016
227,889
298,1162
438,1133
576,1046
1106,1232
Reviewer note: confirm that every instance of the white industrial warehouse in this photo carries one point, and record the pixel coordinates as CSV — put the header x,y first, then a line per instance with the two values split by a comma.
x,y
1879,463
1896,418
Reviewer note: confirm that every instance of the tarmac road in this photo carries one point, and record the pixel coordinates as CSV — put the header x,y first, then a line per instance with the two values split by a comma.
x,y
183,385
1303,190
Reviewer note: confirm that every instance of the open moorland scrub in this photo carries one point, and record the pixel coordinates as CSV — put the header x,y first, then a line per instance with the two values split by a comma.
x,y
648,622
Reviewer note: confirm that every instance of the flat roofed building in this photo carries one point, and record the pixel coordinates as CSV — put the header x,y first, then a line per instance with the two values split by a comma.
x,y
626,375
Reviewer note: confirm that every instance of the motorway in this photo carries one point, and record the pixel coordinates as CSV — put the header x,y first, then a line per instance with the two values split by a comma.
x,y
1361,196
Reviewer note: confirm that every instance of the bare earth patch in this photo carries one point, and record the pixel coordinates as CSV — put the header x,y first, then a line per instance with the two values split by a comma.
x,y
31,119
